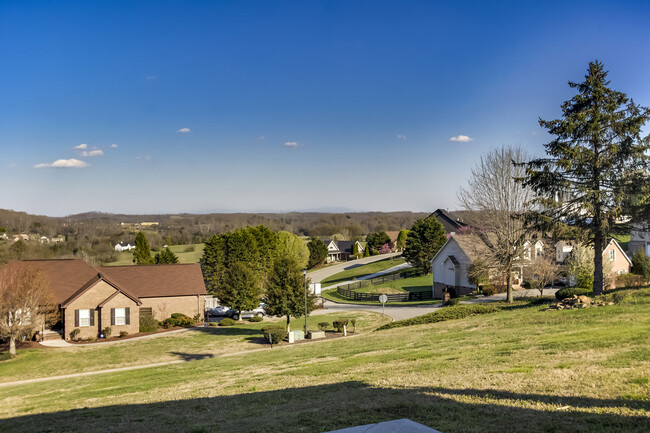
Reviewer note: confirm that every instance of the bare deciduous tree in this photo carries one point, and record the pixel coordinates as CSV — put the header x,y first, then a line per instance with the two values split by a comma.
x,y
25,302
540,272
499,203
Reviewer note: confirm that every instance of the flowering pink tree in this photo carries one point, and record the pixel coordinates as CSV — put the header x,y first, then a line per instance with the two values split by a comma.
x,y
385,249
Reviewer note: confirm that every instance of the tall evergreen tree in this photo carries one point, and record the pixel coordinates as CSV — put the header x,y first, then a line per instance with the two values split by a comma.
x,y
285,293
241,289
401,239
317,252
424,240
366,251
142,253
596,166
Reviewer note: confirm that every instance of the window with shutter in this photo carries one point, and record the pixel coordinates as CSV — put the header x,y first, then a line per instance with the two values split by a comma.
x,y
76,318
120,316
112,316
84,317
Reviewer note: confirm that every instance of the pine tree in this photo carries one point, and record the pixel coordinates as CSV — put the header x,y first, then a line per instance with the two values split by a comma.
x,y
366,252
142,253
166,256
595,171
401,239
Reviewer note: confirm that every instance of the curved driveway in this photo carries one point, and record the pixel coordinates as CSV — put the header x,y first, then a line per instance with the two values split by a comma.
x,y
320,274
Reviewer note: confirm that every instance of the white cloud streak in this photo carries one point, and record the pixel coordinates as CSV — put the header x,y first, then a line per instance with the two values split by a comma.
x,y
461,139
114,146
184,130
82,146
291,144
401,137
63,163
91,153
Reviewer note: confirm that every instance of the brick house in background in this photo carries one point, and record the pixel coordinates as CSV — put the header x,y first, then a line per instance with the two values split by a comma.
x,y
91,299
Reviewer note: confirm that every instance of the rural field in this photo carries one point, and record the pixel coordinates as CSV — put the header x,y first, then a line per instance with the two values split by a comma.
x,y
185,253
521,369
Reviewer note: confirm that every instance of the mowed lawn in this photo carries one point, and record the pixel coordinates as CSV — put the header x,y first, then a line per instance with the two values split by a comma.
x,y
202,342
519,370
415,284
185,253
362,271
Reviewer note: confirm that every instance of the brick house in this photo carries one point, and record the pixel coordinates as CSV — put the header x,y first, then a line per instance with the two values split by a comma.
x,y
91,299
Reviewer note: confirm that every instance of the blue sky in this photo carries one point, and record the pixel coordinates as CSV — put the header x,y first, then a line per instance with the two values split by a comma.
x,y
277,106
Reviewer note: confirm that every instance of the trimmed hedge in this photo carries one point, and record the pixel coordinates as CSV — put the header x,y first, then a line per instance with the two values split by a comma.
x,y
227,322
339,324
449,313
256,319
180,320
570,291
274,333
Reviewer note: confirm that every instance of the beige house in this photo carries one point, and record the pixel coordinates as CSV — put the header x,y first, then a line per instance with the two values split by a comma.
x,y
91,299
620,262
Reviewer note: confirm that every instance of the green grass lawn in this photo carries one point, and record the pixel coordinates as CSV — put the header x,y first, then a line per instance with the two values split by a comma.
x,y
213,340
362,271
181,251
523,369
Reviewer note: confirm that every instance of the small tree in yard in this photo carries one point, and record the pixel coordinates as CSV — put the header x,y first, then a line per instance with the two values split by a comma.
x,y
401,239
285,294
385,249
540,272
25,301
166,256
241,290
641,265
580,266
366,252
424,240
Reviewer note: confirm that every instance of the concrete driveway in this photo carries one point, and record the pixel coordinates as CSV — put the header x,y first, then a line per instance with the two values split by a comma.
x,y
320,274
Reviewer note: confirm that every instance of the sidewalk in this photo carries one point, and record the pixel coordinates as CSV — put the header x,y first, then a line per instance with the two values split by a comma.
x,y
63,343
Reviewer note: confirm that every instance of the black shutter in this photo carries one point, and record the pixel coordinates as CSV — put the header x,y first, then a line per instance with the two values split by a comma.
x,y
112,316
127,313
76,318
91,313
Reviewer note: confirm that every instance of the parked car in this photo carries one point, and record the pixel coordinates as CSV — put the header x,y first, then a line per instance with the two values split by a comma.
x,y
259,311
219,311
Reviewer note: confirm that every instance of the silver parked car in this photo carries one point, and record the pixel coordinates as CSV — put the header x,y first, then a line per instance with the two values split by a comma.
x,y
259,311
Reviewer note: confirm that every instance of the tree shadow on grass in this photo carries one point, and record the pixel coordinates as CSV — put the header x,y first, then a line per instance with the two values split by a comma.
x,y
192,356
334,406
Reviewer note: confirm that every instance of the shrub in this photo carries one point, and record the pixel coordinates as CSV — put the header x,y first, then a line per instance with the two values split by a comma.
x,y
323,326
107,331
641,264
493,289
227,321
74,334
256,319
629,280
123,334
274,333
89,339
148,324
353,322
180,320
213,324
452,302
189,249
570,291
451,313
339,324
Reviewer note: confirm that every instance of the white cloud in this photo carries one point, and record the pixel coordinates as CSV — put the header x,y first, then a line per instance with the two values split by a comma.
x,y
150,77
291,144
91,153
401,137
113,146
63,163
81,146
461,138
184,130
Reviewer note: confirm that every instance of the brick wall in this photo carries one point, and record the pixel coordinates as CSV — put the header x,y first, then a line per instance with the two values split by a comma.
x,y
163,307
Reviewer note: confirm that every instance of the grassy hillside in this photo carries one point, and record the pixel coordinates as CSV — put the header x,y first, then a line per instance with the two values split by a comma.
x,y
523,369
185,253
361,271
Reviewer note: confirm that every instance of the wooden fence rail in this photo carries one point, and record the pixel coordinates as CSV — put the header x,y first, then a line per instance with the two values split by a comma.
x,y
348,291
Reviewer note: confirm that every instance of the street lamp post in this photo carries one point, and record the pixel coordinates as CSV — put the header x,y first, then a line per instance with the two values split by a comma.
x,y
304,274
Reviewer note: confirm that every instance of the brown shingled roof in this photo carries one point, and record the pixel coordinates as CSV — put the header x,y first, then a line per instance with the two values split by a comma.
x,y
472,246
65,277
158,280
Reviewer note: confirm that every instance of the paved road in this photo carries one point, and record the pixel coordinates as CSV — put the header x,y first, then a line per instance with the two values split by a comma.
x,y
321,274
399,312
